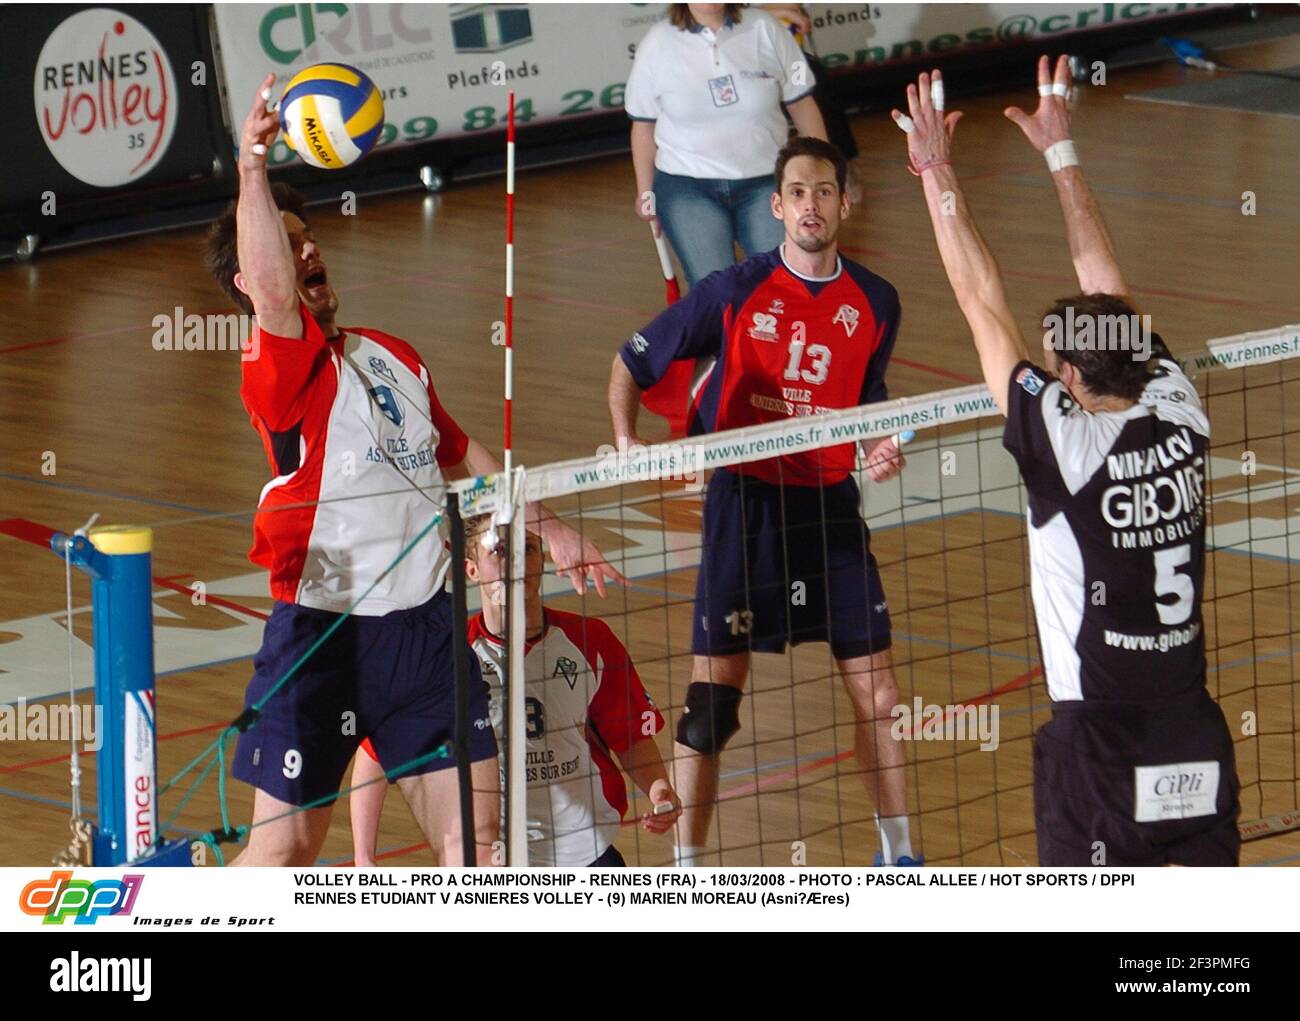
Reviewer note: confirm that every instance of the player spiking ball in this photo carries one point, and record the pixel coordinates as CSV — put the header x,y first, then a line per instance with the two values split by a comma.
x,y
1102,430
330,533
787,557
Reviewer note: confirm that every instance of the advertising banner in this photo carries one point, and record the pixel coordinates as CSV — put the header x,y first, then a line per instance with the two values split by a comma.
x,y
102,100
444,69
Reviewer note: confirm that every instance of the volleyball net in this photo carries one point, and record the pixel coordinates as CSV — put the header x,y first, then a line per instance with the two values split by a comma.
x,y
948,535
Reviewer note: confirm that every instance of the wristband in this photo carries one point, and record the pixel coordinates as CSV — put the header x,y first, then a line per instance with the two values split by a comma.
x,y
1060,156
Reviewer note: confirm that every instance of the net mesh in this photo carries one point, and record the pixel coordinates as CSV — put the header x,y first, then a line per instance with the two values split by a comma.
x,y
949,536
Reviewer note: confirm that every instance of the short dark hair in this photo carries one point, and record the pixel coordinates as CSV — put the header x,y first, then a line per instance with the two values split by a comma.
x,y
680,15
805,145
1106,371
221,250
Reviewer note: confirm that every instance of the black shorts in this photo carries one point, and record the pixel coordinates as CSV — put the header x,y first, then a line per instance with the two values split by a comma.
x,y
783,565
1132,786
390,678
610,859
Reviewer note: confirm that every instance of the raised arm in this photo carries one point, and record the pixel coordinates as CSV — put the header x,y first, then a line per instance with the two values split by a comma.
x,y
972,271
1048,131
266,267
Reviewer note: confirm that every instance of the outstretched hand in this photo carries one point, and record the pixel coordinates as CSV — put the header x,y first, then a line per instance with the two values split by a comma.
x,y
929,129
261,127
1050,123
578,559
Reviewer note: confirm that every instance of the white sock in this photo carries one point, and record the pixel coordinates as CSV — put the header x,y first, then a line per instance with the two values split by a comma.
x,y
685,857
895,838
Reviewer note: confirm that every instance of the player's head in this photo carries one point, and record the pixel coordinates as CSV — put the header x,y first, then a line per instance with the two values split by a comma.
x,y
313,285
485,561
1079,344
810,196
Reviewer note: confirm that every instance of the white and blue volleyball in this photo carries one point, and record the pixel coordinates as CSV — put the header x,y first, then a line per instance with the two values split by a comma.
x,y
331,115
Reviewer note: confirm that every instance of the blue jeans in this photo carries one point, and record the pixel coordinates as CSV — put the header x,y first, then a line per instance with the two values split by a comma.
x,y
704,218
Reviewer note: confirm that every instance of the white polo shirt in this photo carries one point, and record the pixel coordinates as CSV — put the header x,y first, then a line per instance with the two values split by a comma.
x,y
716,99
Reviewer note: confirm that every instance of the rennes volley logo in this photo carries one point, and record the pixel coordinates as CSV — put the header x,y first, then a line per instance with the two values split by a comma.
x,y
85,901
105,97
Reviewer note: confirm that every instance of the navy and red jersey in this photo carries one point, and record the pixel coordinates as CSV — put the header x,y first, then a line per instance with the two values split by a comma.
x,y
355,439
784,345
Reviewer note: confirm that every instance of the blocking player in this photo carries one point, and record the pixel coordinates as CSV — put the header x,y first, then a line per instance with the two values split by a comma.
x,y
787,559
1136,766
358,446
585,709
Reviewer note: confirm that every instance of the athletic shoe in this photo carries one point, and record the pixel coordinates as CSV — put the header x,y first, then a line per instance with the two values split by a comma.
x,y
901,863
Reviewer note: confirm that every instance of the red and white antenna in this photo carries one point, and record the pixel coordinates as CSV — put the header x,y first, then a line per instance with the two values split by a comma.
x,y
507,441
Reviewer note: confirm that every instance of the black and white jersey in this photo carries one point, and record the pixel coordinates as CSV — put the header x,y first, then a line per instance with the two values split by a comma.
x,y
1116,535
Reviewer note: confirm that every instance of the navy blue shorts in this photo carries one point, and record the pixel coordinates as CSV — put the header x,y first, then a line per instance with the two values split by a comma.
x,y
611,859
1090,763
783,565
390,678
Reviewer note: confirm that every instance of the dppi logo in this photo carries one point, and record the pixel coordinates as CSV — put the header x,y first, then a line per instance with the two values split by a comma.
x,y
105,97
61,897
349,32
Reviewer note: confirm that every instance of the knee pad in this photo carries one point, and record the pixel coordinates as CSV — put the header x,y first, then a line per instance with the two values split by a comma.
x,y
712,716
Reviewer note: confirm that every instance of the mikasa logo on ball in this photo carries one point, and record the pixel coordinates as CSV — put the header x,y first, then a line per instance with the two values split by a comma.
x,y
105,97
315,135
331,115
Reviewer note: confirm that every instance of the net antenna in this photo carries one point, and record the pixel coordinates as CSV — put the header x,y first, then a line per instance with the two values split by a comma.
x,y
510,514
510,285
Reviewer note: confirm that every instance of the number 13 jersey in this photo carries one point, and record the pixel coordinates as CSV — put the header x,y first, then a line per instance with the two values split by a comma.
x,y
783,346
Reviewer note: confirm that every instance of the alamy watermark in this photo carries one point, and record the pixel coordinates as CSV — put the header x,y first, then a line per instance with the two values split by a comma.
x,y
636,462
922,722
211,332
43,721
1090,332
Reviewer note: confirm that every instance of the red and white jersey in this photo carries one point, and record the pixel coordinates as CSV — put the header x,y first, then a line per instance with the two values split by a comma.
x,y
354,435
583,700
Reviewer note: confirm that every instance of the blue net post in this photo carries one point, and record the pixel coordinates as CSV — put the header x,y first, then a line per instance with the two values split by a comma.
x,y
118,560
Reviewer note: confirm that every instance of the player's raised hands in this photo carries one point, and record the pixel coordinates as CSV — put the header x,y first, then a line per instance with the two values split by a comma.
x,y
578,559
1050,123
929,129
260,129
884,460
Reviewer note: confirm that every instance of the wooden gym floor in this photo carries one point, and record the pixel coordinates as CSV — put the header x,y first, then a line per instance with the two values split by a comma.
x,y
141,436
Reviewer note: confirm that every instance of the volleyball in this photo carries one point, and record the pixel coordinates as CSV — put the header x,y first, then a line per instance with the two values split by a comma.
x,y
331,115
